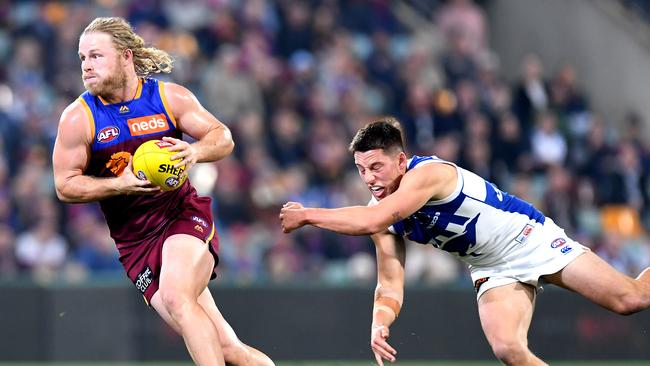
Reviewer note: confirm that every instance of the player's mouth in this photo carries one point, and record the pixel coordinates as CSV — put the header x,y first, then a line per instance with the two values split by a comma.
x,y
89,78
377,191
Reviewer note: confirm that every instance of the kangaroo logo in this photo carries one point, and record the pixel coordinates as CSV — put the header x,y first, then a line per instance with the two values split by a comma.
x,y
462,242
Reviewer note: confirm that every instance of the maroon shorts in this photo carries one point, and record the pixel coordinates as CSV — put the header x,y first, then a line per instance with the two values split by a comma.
x,y
142,260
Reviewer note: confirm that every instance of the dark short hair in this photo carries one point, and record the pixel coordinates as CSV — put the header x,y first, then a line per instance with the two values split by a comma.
x,y
384,133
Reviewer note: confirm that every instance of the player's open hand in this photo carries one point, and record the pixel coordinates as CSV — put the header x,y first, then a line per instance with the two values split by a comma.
x,y
185,151
381,348
128,183
292,216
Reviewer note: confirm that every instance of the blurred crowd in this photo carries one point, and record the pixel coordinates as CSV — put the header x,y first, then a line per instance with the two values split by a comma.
x,y
294,80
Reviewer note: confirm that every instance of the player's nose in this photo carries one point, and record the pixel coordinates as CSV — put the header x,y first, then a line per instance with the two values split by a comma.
x,y
368,177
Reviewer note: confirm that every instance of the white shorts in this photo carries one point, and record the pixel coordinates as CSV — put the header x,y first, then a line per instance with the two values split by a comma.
x,y
546,251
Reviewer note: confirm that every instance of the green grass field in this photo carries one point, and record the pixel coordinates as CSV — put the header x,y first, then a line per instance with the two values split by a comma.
x,y
345,363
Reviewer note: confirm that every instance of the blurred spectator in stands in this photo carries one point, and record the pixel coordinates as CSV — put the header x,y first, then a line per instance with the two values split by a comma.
x,y
41,250
466,17
511,149
283,259
93,247
327,150
222,28
468,99
495,94
627,255
457,60
287,138
477,127
295,31
243,256
326,17
381,63
571,107
228,92
587,213
448,147
477,156
531,95
8,265
566,98
633,131
597,156
250,132
420,65
558,199
9,145
548,145
420,124
33,182
625,181
232,203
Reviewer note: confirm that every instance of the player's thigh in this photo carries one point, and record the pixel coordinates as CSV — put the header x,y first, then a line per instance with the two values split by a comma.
x,y
186,264
506,312
593,278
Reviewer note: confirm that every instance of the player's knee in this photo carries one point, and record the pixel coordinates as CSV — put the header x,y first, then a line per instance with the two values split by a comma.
x,y
628,304
510,352
174,302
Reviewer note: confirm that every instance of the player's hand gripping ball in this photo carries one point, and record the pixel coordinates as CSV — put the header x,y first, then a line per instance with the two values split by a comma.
x,y
152,161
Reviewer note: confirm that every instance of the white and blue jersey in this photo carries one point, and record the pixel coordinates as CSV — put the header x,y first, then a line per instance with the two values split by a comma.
x,y
478,222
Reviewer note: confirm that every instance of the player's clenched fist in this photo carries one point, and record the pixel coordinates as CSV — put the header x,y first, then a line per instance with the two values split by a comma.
x,y
292,216
381,348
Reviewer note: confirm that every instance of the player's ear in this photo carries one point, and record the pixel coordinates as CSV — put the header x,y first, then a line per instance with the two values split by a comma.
x,y
402,161
127,54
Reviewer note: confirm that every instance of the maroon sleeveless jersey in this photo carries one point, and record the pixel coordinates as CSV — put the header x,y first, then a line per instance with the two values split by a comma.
x,y
140,223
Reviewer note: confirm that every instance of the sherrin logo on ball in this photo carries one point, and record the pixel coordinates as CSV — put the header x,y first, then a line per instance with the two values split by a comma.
x,y
152,161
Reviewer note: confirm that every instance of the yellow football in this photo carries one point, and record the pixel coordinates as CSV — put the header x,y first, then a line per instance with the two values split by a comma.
x,y
152,161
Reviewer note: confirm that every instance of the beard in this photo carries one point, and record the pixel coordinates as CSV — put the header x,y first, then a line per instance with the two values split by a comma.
x,y
108,86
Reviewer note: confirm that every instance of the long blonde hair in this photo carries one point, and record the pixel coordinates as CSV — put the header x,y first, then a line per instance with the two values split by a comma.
x,y
147,60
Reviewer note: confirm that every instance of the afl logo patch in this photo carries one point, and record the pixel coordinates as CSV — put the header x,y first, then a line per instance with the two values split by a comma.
x,y
172,182
558,243
108,134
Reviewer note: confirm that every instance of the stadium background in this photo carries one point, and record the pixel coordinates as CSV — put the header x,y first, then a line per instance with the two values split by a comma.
x,y
546,99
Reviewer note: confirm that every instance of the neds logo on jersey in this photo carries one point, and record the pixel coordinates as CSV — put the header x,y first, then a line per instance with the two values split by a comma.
x,y
148,124
108,134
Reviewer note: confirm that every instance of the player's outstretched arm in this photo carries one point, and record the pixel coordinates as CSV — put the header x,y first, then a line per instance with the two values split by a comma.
x,y
389,294
214,140
71,157
416,188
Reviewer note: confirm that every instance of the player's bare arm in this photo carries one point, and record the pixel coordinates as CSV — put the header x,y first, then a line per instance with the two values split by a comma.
x,y
416,188
389,293
70,160
214,140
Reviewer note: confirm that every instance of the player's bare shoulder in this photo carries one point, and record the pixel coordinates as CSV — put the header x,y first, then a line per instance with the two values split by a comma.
x,y
178,96
439,177
75,123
